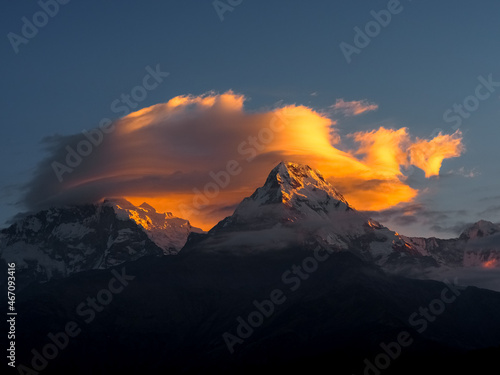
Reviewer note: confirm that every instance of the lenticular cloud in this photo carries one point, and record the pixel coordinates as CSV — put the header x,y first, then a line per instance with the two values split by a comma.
x,y
200,155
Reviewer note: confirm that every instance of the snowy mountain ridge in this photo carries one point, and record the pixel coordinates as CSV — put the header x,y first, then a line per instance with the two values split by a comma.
x,y
295,207
164,229
58,242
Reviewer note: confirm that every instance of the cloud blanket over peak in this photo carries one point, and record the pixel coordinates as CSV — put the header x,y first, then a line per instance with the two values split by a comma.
x,y
198,156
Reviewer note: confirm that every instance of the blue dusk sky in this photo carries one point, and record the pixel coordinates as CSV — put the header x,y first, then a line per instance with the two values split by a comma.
x,y
428,66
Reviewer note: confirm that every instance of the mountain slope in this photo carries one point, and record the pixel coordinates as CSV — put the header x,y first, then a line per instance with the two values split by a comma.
x,y
173,312
61,241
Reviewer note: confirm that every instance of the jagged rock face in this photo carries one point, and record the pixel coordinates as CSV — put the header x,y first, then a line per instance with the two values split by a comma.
x,y
59,242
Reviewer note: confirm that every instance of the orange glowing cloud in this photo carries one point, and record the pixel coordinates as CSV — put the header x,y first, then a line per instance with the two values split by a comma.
x,y
198,156
428,155
383,150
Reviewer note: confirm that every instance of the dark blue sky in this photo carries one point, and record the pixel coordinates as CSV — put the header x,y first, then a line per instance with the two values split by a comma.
x,y
426,59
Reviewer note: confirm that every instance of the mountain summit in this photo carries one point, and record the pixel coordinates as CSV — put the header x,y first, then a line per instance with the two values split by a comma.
x,y
289,183
292,193
296,207
480,229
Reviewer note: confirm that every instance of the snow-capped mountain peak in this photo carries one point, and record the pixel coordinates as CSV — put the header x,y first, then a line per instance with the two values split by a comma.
x,y
291,193
290,180
480,229
297,207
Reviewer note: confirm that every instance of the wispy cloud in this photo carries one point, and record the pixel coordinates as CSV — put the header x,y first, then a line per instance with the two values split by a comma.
x,y
490,210
353,108
412,214
462,171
